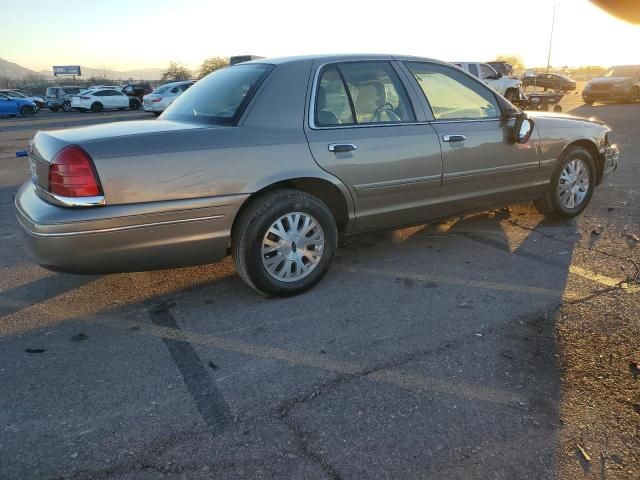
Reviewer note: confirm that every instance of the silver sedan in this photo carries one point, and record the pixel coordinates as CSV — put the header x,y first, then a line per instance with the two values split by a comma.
x,y
272,160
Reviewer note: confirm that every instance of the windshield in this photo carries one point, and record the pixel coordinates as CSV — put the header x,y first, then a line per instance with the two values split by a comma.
x,y
220,97
630,71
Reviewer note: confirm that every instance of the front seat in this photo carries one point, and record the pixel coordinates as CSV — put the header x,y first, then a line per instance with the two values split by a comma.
x,y
324,116
371,104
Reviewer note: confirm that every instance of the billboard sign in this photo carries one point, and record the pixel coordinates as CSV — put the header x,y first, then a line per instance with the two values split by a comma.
x,y
66,70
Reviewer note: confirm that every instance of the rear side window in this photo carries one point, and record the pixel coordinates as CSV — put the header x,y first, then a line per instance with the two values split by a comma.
x,y
361,93
452,94
220,97
473,70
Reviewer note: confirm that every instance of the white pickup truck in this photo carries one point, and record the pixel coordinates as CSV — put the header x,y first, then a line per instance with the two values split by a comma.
x,y
507,86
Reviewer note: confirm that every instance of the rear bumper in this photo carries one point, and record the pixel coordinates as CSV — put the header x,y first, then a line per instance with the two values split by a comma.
x,y
126,238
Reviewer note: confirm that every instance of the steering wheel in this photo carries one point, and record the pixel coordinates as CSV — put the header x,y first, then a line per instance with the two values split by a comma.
x,y
387,107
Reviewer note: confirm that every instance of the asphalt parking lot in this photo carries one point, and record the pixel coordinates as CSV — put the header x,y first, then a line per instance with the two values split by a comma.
x,y
489,346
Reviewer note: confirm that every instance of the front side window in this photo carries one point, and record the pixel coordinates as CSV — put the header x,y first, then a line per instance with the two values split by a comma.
x,y
220,97
487,72
361,93
452,95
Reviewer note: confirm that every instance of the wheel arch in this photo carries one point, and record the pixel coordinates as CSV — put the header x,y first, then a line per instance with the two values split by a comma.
x,y
332,193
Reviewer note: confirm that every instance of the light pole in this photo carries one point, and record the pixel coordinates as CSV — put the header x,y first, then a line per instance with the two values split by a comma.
x,y
553,22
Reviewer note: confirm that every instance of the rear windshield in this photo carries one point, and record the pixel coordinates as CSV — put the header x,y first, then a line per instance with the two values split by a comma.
x,y
220,97
161,89
631,71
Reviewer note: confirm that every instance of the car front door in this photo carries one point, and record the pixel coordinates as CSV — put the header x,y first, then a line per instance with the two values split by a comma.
x,y
363,128
482,165
8,106
120,100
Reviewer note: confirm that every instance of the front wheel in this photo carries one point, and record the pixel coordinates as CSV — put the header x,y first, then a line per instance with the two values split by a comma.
x,y
587,101
66,106
96,107
284,242
27,111
571,186
134,104
634,95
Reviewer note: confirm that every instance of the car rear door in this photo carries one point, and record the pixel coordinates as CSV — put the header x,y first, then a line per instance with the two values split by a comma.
x,y
366,128
7,106
482,166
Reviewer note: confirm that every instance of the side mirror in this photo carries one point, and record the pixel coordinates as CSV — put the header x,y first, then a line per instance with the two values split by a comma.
x,y
522,129
499,75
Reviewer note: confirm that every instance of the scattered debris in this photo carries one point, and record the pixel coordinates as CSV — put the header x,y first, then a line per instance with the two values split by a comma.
x,y
633,237
466,305
634,368
79,337
585,455
35,350
212,365
135,328
479,335
564,252
598,230
610,209
74,455
323,351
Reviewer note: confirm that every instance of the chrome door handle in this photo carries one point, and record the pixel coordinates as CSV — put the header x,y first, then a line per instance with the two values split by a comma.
x,y
453,138
342,147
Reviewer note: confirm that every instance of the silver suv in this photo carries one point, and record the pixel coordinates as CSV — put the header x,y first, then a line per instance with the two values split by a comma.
x,y
60,97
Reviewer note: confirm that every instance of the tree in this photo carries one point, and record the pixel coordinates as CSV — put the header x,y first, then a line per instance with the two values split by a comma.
x,y
176,72
515,61
212,64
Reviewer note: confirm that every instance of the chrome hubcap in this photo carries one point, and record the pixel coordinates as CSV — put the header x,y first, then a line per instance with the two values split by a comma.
x,y
292,247
574,183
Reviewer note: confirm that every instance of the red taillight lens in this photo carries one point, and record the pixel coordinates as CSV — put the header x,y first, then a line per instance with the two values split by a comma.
x,y
71,174
157,99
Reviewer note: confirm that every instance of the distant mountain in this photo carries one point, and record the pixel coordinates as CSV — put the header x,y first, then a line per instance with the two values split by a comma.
x,y
138,74
13,70
16,72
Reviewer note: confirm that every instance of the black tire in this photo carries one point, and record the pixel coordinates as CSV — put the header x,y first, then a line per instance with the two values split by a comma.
x,y
254,223
66,106
557,108
157,114
549,204
634,95
134,104
96,107
27,111
54,109
587,101
512,95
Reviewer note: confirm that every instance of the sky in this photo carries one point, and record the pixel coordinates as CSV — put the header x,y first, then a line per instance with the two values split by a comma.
x,y
125,34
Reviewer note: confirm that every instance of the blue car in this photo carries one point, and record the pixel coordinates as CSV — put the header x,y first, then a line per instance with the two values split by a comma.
x,y
16,106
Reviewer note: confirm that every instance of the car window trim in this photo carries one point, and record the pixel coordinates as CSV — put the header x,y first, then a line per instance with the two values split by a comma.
x,y
500,104
314,95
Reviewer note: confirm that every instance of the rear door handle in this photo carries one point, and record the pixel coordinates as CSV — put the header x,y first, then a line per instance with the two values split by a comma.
x,y
342,147
454,138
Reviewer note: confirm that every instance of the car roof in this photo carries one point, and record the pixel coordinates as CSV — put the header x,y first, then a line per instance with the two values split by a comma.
x,y
330,58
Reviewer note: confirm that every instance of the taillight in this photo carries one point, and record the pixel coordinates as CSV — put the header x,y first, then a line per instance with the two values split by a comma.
x,y
157,99
71,174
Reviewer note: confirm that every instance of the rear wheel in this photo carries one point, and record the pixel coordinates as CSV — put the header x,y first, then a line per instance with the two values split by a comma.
x,y
66,106
571,186
284,242
634,95
27,110
134,104
96,107
587,101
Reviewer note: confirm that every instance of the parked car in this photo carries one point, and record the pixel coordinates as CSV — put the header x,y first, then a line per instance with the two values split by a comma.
x,y
100,99
163,96
14,106
137,90
272,160
507,86
60,97
38,100
621,83
549,81
504,68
